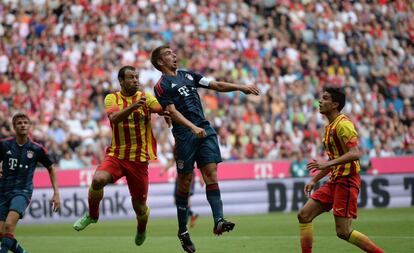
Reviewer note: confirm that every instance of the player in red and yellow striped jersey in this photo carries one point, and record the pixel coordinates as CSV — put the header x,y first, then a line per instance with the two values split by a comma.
x,y
341,191
132,139
133,145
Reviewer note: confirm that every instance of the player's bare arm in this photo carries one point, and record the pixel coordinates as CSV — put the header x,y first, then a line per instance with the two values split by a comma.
x,y
56,195
122,115
311,184
177,117
167,118
157,108
352,155
227,87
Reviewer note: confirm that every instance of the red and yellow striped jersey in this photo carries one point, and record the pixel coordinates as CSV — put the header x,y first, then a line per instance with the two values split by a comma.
x,y
132,139
339,137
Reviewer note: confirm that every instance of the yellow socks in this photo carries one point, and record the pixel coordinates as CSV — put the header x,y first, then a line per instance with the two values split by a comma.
x,y
363,242
306,237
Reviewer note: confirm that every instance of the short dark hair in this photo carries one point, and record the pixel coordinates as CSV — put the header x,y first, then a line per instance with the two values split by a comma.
x,y
337,95
156,54
121,72
19,115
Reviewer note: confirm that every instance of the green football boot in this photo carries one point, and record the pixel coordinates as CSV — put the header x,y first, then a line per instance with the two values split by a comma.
x,y
140,237
83,222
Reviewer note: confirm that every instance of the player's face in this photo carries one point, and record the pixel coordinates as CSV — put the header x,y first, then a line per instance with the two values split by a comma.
x,y
130,84
326,104
22,126
168,59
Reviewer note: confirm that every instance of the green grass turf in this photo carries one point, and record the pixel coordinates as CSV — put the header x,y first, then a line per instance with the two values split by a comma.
x,y
391,229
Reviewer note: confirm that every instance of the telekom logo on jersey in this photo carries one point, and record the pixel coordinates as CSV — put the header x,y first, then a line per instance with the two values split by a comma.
x,y
184,91
12,163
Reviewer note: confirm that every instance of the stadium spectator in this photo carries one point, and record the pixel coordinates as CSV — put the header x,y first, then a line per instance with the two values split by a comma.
x,y
298,165
57,59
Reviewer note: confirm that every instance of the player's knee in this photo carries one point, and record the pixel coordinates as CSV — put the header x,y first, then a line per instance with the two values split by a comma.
x,y
99,181
9,227
139,207
184,182
210,177
304,217
343,231
189,179
342,235
185,186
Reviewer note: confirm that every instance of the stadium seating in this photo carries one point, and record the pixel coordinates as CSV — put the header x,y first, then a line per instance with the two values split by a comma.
x,y
58,60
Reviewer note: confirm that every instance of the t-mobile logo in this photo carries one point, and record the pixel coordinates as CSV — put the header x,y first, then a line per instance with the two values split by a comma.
x,y
12,163
183,91
263,170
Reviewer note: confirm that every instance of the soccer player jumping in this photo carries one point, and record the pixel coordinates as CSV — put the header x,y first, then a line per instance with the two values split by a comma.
x,y
340,193
195,138
133,145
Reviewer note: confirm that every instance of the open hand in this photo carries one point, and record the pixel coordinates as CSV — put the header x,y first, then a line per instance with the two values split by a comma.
x,y
55,202
199,132
317,165
308,188
250,89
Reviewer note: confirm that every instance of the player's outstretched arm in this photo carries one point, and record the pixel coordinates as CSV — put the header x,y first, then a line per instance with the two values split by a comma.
x,y
56,195
177,117
227,87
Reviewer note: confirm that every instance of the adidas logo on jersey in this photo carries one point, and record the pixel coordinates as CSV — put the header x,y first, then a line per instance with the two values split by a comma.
x,y
173,85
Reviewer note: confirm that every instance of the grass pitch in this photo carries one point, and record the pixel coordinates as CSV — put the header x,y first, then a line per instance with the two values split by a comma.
x,y
391,229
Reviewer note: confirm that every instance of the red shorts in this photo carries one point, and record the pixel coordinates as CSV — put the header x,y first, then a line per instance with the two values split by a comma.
x,y
340,195
136,174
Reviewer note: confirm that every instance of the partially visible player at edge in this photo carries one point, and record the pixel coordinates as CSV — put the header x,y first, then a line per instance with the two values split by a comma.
x,y
133,145
195,139
341,191
19,156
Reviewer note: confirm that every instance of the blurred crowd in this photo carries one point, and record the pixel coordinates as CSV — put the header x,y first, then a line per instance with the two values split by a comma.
x,y
58,59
